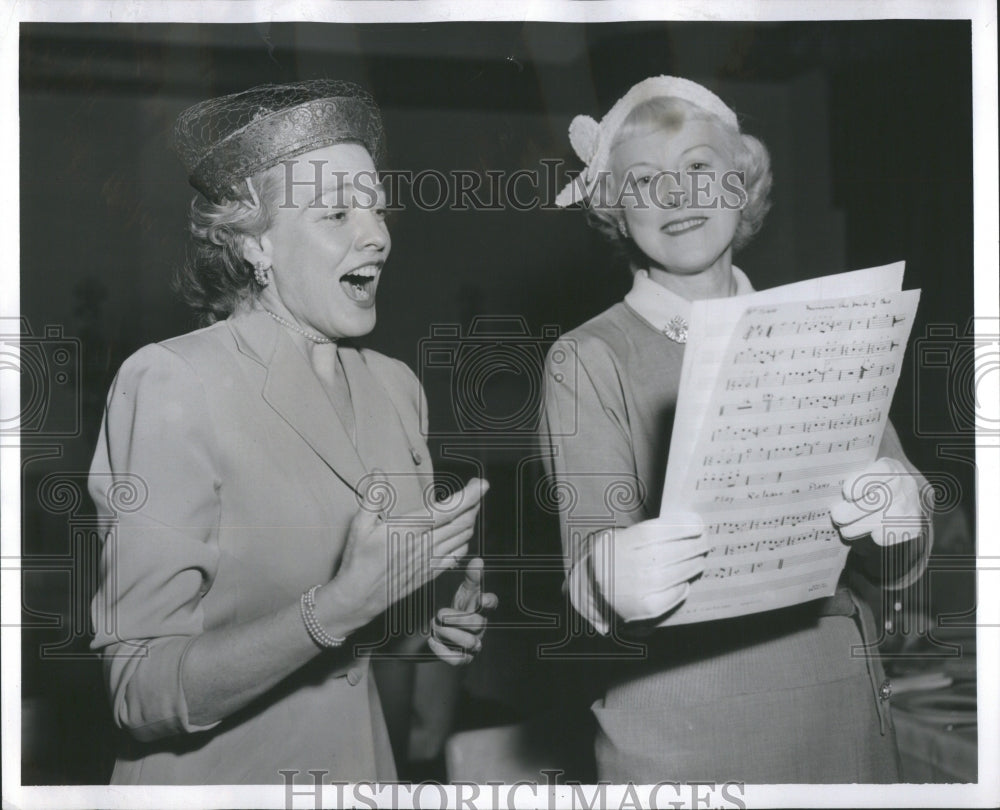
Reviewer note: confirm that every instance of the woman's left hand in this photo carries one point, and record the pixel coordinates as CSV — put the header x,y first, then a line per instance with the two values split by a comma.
x,y
882,501
457,632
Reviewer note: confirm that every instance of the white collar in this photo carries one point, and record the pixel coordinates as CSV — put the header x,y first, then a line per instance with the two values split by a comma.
x,y
665,310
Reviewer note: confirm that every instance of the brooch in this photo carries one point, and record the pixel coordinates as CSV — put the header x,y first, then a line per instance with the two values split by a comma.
x,y
676,329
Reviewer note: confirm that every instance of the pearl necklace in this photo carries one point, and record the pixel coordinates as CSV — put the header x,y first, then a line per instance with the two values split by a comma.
x,y
313,337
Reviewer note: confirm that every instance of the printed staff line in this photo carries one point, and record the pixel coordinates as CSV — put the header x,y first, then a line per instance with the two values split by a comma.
x,y
729,572
821,325
776,379
768,403
760,454
820,534
737,478
731,527
826,351
834,423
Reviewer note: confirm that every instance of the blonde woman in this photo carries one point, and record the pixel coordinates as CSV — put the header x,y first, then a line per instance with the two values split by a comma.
x,y
776,697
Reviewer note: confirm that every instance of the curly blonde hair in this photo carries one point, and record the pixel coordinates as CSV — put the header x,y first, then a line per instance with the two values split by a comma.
x,y
750,157
216,280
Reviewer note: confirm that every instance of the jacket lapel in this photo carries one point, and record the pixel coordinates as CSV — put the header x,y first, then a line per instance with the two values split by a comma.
x,y
377,425
292,389
383,439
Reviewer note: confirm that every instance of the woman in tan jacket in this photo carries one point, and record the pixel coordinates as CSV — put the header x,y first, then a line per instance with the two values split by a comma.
x,y
265,486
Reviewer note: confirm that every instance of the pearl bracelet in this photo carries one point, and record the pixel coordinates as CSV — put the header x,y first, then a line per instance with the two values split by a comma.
x,y
307,607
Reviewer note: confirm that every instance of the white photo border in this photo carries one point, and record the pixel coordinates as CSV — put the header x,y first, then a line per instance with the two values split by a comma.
x,y
982,15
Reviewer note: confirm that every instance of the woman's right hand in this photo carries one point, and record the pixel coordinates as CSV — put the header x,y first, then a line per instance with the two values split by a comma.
x,y
645,570
376,572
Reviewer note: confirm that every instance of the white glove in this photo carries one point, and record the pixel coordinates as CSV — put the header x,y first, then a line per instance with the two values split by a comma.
x,y
644,571
884,501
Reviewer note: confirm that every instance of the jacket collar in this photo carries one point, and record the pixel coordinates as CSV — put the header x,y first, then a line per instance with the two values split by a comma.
x,y
256,334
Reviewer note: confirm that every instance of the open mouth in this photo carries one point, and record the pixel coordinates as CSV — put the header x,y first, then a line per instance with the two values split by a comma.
x,y
683,225
360,284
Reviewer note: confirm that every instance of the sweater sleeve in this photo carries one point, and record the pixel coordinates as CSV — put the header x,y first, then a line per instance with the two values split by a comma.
x,y
156,488
587,452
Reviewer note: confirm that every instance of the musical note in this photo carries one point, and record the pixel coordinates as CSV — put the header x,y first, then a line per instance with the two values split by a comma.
x,y
793,397
832,349
816,448
810,375
774,564
731,432
768,403
778,521
824,326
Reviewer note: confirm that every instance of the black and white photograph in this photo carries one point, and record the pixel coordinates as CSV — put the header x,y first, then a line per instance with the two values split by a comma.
x,y
438,404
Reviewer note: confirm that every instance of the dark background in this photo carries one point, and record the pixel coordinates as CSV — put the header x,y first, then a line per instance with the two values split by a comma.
x,y
869,127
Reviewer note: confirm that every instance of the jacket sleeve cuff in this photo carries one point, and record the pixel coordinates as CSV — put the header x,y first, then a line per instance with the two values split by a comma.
x,y
149,700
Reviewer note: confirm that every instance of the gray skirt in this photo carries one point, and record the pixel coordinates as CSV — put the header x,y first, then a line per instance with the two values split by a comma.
x,y
787,697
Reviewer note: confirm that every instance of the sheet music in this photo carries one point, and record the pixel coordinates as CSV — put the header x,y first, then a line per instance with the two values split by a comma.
x,y
780,402
711,324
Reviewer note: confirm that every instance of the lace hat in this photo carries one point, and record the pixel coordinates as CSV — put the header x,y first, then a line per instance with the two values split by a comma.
x,y
592,140
222,141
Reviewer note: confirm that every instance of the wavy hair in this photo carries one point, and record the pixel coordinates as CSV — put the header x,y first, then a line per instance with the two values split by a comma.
x,y
216,280
750,158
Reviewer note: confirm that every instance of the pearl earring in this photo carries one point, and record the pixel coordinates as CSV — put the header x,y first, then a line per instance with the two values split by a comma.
x,y
623,228
262,274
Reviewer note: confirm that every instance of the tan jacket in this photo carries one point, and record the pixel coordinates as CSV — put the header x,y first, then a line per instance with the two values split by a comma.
x,y
227,484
